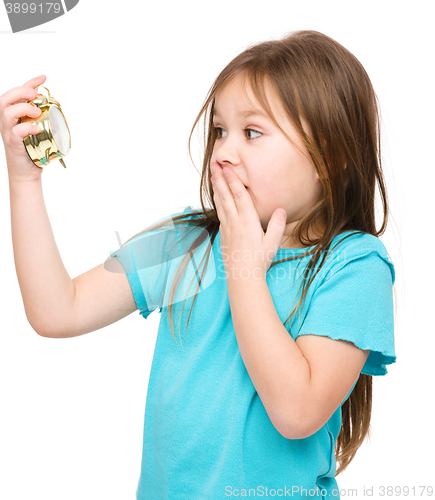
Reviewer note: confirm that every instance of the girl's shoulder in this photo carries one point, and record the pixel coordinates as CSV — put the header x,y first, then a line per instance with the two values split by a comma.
x,y
359,241
351,246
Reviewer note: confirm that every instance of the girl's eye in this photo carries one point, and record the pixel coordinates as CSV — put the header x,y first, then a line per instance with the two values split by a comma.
x,y
219,132
250,131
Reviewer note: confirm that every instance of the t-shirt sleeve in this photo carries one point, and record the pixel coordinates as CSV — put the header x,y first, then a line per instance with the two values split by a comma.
x,y
151,261
354,302
145,263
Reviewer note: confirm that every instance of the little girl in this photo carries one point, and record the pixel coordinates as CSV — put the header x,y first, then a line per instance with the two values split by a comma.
x,y
286,304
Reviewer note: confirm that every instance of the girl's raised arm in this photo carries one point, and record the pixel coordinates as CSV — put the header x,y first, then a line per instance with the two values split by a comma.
x,y
55,305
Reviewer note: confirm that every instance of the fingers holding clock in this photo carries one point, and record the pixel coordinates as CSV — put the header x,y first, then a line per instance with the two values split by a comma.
x,y
12,114
30,88
35,82
26,92
14,104
13,139
22,130
15,97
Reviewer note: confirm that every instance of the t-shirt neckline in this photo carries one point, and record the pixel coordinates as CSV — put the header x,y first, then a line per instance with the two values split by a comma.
x,y
306,249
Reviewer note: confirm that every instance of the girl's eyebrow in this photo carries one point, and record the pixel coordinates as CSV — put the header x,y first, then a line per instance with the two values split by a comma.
x,y
248,113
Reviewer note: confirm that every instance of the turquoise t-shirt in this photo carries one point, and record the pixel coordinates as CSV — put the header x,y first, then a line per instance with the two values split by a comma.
x,y
207,435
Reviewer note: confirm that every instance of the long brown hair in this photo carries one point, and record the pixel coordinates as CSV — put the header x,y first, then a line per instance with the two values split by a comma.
x,y
319,81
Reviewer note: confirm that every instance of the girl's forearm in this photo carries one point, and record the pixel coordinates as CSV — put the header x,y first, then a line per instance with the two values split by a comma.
x,y
276,365
47,290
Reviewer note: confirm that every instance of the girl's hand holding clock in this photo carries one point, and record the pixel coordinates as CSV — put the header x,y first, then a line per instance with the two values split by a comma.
x,y
14,105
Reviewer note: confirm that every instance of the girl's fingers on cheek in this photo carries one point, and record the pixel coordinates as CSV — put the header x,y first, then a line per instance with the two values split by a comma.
x,y
219,207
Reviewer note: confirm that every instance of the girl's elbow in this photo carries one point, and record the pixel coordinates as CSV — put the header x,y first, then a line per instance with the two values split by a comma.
x,y
292,426
292,431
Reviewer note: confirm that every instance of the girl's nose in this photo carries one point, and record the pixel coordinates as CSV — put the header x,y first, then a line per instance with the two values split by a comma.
x,y
227,152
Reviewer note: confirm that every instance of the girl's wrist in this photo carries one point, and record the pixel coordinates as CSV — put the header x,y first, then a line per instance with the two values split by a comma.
x,y
22,172
20,182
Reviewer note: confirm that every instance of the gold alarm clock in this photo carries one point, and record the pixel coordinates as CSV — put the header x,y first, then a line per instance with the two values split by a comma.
x,y
54,140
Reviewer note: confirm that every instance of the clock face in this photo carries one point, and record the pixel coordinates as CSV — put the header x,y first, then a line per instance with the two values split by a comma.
x,y
59,130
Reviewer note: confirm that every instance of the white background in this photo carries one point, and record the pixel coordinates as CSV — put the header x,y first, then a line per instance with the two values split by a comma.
x,y
131,78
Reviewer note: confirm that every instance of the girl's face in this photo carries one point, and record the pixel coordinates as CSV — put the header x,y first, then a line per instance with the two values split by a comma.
x,y
275,172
